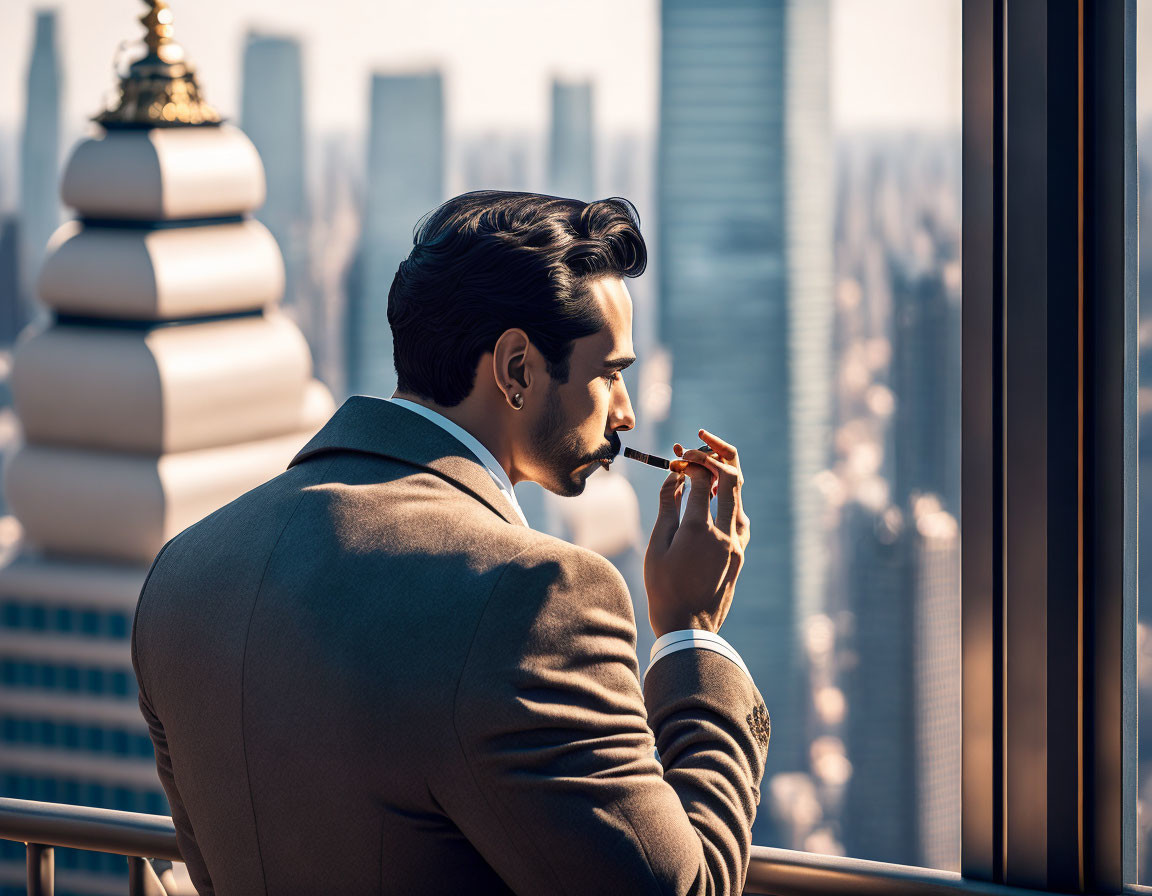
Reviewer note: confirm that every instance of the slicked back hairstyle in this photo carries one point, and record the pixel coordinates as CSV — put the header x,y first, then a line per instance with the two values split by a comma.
x,y
486,262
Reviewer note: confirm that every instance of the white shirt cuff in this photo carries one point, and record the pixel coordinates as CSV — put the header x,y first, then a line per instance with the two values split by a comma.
x,y
693,638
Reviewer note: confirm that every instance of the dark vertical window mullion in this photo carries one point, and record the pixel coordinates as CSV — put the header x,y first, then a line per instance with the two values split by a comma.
x,y
1043,764
1110,445
1063,602
982,278
1034,303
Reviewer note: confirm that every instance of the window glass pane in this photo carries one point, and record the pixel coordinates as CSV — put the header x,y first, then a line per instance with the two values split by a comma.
x,y
796,166
862,494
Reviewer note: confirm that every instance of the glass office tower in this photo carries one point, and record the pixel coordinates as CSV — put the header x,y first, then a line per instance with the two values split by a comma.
x,y
405,182
39,157
745,242
272,114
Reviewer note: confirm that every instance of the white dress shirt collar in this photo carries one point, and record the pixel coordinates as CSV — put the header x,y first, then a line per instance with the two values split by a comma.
x,y
469,441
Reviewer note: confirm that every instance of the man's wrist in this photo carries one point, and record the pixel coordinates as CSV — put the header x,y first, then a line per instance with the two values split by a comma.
x,y
704,622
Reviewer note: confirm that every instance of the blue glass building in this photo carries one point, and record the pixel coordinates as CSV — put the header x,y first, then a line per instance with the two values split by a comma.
x,y
745,245
39,156
405,182
272,114
70,727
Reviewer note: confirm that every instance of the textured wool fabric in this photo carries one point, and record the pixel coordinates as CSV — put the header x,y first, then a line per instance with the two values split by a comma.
x,y
368,676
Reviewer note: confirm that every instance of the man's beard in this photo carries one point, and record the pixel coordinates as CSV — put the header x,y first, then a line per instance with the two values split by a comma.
x,y
556,449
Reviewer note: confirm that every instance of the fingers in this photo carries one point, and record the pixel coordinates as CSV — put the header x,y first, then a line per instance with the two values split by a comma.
x,y
727,452
679,449
668,516
723,463
728,483
681,466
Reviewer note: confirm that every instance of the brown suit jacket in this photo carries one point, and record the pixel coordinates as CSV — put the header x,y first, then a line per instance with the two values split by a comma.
x,y
367,676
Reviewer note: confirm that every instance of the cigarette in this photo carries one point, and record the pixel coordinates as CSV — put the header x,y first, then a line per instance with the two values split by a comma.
x,y
653,460
650,459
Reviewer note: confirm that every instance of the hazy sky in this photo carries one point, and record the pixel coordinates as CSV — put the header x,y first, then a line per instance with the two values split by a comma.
x,y
894,62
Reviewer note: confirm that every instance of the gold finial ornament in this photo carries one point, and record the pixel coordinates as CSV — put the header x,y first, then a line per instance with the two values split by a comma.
x,y
160,88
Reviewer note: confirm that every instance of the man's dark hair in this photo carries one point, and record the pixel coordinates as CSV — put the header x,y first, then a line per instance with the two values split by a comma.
x,y
486,262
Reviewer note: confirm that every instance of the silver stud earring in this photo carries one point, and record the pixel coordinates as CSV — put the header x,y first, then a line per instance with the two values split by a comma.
x,y
517,401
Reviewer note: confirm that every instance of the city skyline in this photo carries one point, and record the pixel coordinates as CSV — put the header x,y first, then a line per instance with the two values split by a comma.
x,y
496,75
750,191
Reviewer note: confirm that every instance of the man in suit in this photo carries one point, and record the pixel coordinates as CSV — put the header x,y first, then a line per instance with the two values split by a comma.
x,y
370,676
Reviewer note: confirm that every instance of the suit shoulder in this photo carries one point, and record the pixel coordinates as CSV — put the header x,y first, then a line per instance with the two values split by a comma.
x,y
559,580
553,599
532,550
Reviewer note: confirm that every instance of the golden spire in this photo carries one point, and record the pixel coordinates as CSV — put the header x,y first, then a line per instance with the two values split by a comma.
x,y
160,88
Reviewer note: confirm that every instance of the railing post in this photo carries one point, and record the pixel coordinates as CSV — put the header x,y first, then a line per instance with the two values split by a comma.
x,y
136,876
41,870
142,880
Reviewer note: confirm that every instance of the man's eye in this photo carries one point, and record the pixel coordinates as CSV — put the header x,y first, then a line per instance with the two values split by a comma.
x,y
612,377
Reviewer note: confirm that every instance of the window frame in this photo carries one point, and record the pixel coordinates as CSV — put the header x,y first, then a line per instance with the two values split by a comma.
x,y
1049,466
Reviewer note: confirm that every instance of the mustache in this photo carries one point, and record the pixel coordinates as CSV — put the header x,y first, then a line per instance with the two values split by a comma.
x,y
609,451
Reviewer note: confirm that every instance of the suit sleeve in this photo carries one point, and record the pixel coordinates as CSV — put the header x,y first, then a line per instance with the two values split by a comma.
x,y
185,837
554,731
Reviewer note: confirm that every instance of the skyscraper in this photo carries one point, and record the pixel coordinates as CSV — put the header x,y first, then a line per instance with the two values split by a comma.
x,y
272,114
880,807
405,182
39,156
571,142
901,579
745,237
937,676
336,223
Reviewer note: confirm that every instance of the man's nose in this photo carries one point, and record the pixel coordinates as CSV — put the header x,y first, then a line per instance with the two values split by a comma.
x,y
622,417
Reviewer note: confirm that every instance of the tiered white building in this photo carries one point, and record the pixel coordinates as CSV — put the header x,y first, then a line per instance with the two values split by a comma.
x,y
166,384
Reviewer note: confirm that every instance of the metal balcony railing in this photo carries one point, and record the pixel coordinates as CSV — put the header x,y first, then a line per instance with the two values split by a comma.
x,y
776,872
44,826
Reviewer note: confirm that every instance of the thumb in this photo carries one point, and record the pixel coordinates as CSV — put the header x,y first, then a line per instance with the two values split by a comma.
x,y
668,516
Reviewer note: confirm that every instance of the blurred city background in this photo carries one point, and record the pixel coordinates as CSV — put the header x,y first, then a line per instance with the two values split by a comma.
x,y
797,168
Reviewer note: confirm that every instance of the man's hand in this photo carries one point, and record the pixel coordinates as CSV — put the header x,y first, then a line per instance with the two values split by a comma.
x,y
692,563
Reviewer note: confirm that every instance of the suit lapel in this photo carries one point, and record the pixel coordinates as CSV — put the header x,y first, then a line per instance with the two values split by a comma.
x,y
374,426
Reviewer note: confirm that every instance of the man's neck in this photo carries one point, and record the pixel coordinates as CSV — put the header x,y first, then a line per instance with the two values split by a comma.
x,y
475,420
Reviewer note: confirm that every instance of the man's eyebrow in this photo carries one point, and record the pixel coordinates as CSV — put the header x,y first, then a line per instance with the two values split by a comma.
x,y
618,363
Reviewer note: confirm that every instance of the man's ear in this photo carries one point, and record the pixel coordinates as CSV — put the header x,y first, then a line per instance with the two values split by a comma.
x,y
512,367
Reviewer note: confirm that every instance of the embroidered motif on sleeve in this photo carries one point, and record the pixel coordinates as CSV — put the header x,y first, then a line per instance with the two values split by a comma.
x,y
760,724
